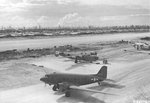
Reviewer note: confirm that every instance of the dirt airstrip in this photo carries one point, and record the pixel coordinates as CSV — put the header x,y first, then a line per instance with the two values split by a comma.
x,y
19,78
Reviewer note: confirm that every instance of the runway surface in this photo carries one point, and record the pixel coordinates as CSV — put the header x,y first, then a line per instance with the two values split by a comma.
x,y
130,71
132,83
57,41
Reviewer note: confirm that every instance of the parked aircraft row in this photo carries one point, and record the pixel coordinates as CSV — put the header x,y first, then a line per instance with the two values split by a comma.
x,y
141,46
83,57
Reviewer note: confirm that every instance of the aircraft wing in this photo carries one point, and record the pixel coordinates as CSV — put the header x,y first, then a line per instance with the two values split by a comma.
x,y
88,90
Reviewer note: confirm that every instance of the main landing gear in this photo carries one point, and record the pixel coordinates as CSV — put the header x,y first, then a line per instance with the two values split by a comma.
x,y
68,94
99,83
76,59
55,87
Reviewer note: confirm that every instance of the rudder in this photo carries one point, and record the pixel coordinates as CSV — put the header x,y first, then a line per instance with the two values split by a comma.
x,y
102,72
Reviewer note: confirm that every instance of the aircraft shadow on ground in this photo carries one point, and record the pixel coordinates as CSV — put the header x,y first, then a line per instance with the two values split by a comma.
x,y
105,85
78,97
74,66
68,60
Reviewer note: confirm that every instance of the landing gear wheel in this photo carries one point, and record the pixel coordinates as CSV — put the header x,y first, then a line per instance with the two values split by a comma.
x,y
67,94
76,60
57,86
54,88
99,83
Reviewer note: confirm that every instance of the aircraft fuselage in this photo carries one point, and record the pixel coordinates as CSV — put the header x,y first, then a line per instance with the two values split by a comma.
x,y
73,79
64,82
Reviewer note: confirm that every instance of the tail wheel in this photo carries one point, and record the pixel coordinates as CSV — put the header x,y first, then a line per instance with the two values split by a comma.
x,y
67,94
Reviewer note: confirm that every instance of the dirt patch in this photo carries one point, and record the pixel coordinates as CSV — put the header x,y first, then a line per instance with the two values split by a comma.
x,y
21,74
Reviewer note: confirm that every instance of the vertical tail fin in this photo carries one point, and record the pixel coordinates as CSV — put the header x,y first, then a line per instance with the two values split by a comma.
x,y
102,72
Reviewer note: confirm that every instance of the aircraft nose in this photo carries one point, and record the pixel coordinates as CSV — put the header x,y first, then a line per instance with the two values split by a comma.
x,y
44,79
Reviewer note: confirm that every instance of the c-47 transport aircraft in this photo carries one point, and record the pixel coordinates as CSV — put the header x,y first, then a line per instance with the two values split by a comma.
x,y
65,82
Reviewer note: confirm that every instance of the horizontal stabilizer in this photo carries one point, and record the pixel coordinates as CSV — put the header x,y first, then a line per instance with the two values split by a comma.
x,y
110,80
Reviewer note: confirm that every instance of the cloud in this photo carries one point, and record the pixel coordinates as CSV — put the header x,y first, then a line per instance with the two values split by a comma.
x,y
142,3
40,2
44,21
68,18
13,6
18,21
121,17
82,2
72,12
64,1
74,19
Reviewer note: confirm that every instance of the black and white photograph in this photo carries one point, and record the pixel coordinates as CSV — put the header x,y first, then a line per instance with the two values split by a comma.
x,y
74,51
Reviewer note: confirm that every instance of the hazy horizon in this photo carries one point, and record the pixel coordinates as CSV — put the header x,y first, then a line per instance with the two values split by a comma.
x,y
54,13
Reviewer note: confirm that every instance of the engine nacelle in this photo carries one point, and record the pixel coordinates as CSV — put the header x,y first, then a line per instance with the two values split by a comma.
x,y
63,87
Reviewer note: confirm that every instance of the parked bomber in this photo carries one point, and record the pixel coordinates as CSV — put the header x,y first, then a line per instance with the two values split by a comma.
x,y
141,46
64,54
87,57
65,48
66,82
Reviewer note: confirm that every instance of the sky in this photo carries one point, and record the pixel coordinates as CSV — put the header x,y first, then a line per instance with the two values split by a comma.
x,y
54,13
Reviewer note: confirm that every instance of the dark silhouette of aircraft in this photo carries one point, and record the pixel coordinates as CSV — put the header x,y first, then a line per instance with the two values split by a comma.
x,y
83,57
86,57
66,82
140,47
